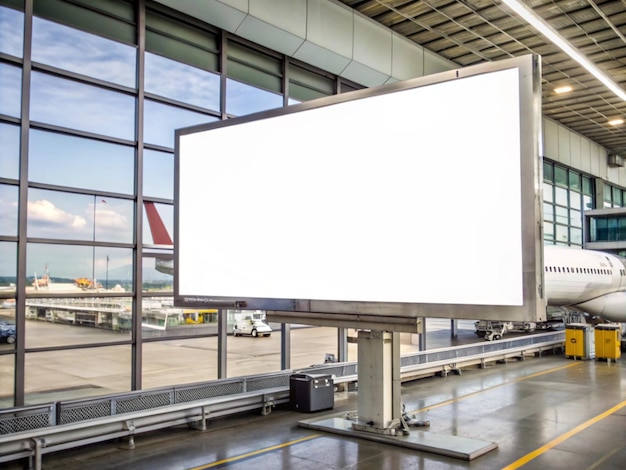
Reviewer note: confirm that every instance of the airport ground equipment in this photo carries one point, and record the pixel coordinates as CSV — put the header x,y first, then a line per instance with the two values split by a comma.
x,y
579,341
607,341
33,431
311,392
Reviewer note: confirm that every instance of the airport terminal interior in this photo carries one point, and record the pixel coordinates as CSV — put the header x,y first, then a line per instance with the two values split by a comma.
x,y
91,94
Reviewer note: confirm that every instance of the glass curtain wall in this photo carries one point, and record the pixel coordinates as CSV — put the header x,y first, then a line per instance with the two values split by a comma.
x,y
566,194
87,119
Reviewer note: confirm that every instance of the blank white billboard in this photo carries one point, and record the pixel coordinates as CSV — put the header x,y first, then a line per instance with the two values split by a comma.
x,y
406,196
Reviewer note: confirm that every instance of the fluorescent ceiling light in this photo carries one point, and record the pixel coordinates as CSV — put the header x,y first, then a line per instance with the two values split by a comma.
x,y
540,25
563,89
616,122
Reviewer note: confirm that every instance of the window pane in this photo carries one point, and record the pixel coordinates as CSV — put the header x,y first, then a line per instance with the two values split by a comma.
x,y
7,369
599,229
8,269
84,163
587,202
548,212
244,358
62,265
8,210
251,59
299,93
305,85
165,214
612,222
9,151
574,180
575,218
560,176
244,99
83,53
547,192
10,86
182,82
617,197
11,31
181,41
621,228
560,196
162,120
89,19
157,271
576,236
574,200
77,106
158,174
163,356
55,375
67,216
587,186
561,234
562,216
161,320
324,84
8,332
114,220
548,173
548,231
345,87
607,196
72,321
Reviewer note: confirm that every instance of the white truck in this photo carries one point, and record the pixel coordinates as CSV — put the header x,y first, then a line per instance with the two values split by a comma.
x,y
252,324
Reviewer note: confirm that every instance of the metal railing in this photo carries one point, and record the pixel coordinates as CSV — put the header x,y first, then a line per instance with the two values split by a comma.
x,y
30,432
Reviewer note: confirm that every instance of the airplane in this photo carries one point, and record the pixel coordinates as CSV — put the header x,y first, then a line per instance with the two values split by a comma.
x,y
160,236
588,281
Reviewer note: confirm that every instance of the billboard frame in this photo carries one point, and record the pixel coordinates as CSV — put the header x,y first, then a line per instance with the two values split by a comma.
x,y
404,316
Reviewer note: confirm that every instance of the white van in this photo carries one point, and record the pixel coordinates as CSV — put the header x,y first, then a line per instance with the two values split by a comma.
x,y
251,326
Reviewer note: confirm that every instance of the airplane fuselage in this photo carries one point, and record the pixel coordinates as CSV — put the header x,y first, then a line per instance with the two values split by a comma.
x,y
590,281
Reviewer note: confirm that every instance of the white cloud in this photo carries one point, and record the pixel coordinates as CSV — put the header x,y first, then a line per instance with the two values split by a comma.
x,y
45,212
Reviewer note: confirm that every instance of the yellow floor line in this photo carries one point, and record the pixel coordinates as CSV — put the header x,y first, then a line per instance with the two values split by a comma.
x,y
536,453
256,452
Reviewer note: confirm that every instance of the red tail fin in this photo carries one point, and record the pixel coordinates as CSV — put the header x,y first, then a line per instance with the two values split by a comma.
x,y
157,227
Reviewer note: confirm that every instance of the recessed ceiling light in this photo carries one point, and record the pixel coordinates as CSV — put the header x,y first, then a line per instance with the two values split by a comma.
x,y
563,89
616,122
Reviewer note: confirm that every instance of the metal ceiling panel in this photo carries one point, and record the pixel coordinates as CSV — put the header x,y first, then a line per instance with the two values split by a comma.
x,y
468,32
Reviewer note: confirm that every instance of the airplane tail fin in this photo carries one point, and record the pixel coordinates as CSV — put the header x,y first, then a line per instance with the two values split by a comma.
x,y
157,227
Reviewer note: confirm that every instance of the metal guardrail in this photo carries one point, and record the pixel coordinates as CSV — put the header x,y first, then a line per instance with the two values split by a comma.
x,y
30,432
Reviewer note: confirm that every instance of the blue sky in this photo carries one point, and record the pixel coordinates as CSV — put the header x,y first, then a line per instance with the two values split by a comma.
x,y
88,164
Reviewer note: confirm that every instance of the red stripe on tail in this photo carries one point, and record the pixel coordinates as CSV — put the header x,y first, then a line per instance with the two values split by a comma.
x,y
157,227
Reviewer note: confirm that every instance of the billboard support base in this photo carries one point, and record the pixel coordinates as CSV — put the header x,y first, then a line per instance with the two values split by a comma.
x,y
450,446
379,416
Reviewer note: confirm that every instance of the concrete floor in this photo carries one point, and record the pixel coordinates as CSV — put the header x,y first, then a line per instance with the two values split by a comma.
x,y
543,413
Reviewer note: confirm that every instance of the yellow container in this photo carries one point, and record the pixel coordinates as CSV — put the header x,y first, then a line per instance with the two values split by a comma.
x,y
607,338
579,341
